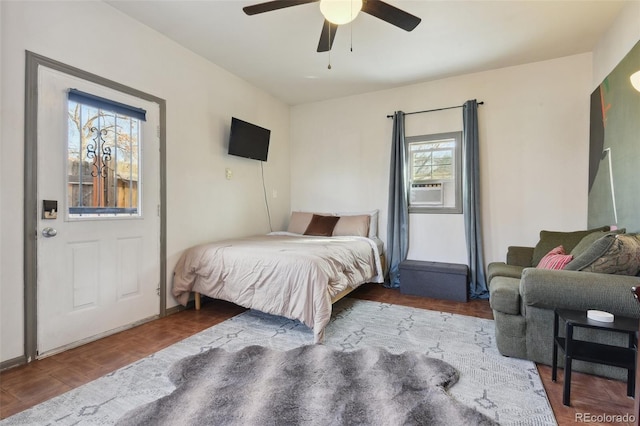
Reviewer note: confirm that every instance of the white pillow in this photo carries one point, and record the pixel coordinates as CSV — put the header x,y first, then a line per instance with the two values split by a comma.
x,y
299,222
373,220
357,225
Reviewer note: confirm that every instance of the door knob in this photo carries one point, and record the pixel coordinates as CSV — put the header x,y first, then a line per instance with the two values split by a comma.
x,y
49,232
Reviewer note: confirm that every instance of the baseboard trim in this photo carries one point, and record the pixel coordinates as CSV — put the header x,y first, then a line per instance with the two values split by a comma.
x,y
22,360
175,309
14,362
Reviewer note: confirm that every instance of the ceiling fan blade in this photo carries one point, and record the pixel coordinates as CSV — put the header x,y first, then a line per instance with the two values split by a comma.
x,y
273,5
391,14
327,36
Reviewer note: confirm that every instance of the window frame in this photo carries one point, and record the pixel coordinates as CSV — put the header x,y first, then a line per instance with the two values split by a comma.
x,y
457,172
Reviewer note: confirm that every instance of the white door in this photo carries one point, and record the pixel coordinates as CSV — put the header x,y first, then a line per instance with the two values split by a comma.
x,y
98,268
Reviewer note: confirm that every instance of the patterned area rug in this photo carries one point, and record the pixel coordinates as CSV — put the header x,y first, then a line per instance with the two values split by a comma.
x,y
506,390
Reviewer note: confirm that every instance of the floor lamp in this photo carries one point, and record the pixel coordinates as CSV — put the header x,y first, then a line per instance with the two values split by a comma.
x,y
613,193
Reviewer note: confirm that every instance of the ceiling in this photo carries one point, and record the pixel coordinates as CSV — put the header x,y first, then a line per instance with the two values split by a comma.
x,y
276,51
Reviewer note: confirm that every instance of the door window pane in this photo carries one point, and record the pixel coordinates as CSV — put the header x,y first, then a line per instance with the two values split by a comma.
x,y
103,162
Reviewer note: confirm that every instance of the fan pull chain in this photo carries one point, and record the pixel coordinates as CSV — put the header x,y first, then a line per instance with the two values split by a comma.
x,y
351,26
329,27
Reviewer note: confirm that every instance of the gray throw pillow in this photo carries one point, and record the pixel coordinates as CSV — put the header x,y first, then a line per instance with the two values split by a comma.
x,y
595,251
589,239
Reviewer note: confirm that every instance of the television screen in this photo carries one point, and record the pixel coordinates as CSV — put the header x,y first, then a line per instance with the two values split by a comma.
x,y
248,140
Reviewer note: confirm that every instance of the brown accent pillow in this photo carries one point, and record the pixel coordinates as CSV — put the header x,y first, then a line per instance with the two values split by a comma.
x,y
551,239
321,226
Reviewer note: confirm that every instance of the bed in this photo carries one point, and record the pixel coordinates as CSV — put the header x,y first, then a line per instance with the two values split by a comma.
x,y
297,275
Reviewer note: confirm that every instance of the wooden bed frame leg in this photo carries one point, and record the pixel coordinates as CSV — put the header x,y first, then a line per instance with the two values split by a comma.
x,y
197,300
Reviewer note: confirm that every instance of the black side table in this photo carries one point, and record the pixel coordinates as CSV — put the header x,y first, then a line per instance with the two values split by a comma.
x,y
617,356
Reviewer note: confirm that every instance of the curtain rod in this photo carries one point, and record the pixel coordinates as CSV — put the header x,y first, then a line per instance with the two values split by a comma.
x,y
432,110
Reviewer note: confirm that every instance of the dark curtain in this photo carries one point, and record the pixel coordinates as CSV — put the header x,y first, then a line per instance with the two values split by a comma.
x,y
398,221
471,200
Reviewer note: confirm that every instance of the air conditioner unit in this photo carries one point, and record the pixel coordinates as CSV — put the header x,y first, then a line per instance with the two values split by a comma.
x,y
426,194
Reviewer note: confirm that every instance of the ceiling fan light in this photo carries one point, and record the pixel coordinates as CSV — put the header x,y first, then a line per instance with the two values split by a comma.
x,y
635,80
340,12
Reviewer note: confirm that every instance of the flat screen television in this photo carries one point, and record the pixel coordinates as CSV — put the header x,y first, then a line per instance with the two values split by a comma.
x,y
248,140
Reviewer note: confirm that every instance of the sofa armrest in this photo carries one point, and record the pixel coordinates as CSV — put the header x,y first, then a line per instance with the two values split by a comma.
x,y
519,256
551,289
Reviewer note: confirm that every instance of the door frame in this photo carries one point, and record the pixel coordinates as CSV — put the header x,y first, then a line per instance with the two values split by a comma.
x,y
31,208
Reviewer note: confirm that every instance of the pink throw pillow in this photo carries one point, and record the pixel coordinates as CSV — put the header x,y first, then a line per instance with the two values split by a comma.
x,y
555,259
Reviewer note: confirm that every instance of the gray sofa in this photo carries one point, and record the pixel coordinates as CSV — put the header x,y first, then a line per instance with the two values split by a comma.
x,y
523,297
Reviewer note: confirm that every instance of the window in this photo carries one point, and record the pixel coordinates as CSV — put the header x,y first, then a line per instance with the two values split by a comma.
x,y
103,157
434,170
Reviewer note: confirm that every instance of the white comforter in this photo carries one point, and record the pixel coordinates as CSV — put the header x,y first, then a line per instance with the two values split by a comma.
x,y
285,274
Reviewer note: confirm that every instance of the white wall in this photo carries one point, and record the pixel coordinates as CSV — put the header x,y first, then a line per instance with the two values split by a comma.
x,y
201,98
534,128
616,43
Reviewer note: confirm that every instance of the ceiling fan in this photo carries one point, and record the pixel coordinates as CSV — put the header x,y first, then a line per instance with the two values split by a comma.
x,y
338,12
